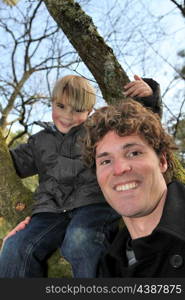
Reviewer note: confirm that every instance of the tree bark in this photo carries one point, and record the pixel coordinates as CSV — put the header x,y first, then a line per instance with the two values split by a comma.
x,y
91,47
15,198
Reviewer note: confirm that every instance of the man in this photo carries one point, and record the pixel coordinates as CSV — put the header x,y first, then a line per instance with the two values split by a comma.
x,y
133,157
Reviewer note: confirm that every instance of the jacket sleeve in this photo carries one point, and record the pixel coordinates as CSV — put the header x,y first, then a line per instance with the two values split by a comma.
x,y
23,159
154,101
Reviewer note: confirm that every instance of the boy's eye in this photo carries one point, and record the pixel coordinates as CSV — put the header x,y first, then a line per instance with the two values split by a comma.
x,y
79,110
60,105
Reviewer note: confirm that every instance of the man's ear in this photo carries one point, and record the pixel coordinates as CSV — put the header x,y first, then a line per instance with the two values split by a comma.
x,y
163,162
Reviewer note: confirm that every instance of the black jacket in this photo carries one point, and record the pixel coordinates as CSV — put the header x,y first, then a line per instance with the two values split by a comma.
x,y
64,182
161,254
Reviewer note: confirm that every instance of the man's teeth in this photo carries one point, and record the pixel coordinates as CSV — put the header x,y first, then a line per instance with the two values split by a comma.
x,y
126,187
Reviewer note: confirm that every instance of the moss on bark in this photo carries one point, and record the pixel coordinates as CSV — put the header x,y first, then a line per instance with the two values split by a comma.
x,y
91,47
15,198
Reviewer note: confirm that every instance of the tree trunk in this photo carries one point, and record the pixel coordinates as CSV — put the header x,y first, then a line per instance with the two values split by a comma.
x,y
94,52
15,198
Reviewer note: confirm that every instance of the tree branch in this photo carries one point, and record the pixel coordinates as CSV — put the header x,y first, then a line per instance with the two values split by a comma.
x,y
181,7
97,56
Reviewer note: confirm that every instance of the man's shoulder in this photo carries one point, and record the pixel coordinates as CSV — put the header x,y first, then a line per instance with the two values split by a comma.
x,y
176,185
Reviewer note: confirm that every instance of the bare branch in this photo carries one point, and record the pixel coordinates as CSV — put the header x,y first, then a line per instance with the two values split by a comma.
x,y
181,7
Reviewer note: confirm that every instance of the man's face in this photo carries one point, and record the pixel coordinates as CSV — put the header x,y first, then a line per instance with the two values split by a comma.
x,y
130,174
65,117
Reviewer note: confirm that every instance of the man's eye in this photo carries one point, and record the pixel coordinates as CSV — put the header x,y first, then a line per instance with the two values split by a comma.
x,y
105,162
134,153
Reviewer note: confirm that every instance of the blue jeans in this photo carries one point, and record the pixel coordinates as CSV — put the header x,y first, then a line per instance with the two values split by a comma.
x,y
83,235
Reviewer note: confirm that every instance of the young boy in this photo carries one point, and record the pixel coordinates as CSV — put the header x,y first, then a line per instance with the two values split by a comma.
x,y
70,211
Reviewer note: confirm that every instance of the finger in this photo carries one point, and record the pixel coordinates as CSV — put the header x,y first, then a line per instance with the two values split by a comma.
x,y
19,227
134,83
15,230
27,220
136,77
22,224
130,84
134,88
12,232
141,93
136,93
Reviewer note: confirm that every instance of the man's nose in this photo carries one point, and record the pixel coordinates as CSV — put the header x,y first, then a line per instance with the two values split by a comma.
x,y
121,166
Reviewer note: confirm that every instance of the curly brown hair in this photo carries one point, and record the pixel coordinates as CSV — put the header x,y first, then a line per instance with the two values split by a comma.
x,y
127,118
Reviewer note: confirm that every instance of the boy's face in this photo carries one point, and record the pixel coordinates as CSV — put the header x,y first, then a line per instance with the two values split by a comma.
x,y
65,117
130,174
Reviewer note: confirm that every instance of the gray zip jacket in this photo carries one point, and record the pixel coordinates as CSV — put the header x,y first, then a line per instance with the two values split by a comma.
x,y
64,182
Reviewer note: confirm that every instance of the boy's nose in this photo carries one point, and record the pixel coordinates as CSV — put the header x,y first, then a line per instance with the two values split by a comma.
x,y
69,114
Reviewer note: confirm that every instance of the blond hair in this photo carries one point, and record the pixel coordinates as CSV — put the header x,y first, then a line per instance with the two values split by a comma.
x,y
77,91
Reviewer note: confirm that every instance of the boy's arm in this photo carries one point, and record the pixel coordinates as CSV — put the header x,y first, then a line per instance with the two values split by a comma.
x,y
146,91
23,159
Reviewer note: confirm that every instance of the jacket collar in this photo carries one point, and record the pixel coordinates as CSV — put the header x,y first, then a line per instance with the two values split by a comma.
x,y
49,126
173,217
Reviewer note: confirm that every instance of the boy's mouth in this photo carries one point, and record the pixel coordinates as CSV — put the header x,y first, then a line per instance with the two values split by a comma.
x,y
65,125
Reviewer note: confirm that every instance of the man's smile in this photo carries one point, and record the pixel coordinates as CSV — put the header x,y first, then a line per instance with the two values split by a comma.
x,y
126,186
